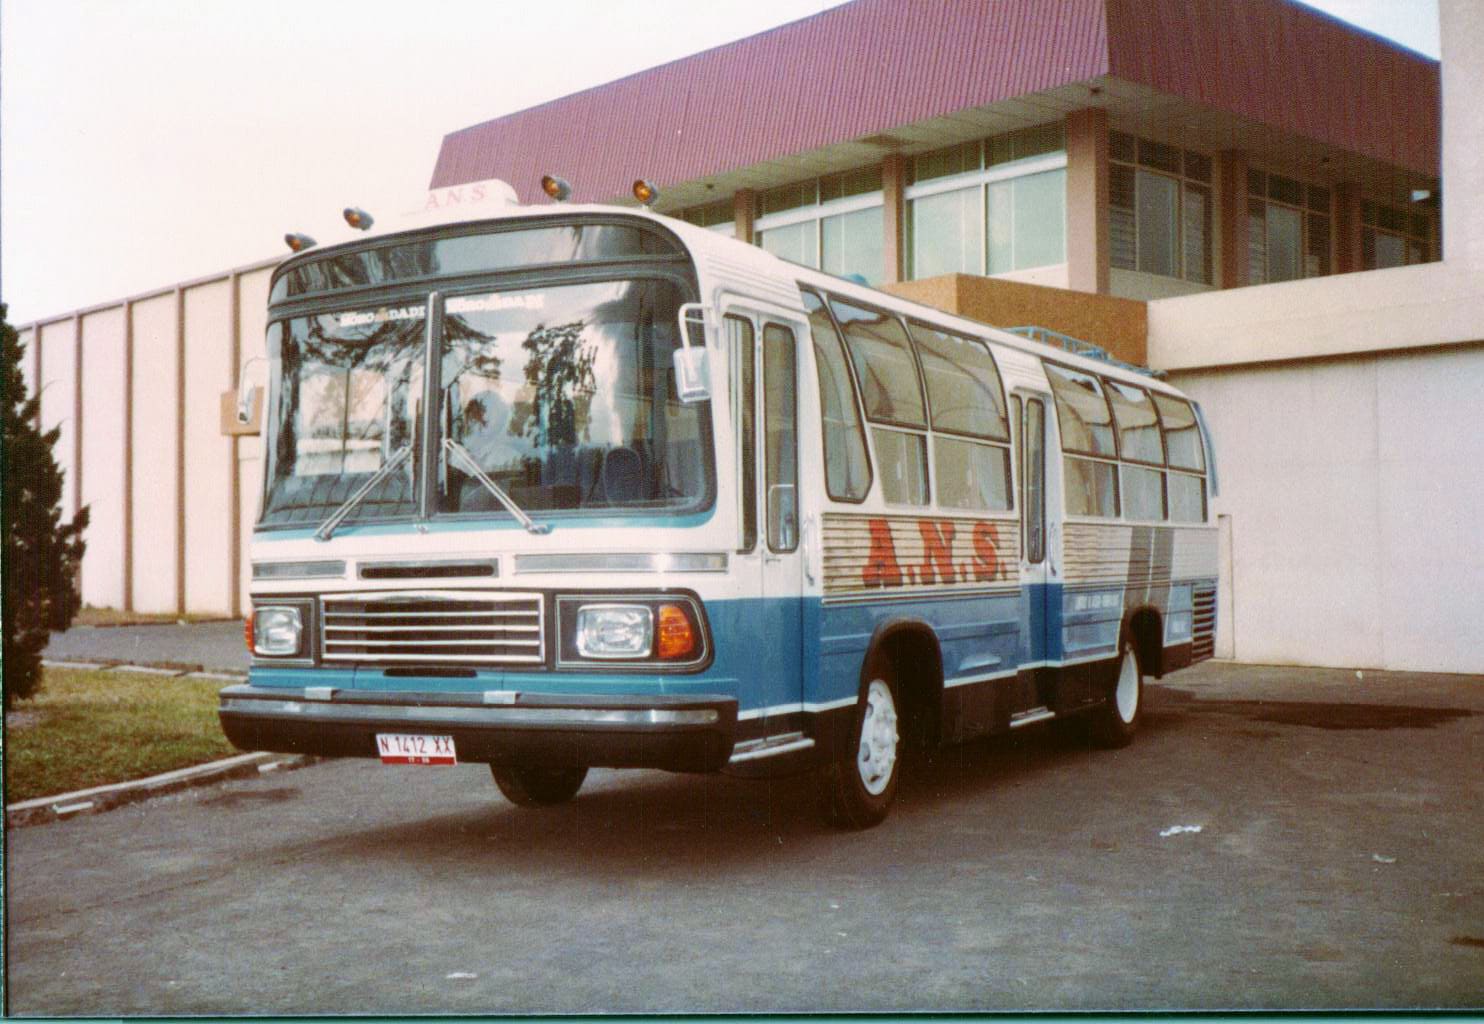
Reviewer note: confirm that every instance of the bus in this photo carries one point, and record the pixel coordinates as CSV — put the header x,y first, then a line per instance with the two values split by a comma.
x,y
565,486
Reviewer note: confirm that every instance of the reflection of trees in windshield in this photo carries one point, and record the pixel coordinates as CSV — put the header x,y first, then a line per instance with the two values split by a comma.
x,y
559,372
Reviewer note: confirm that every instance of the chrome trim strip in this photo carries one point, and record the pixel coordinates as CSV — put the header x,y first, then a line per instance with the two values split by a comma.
x,y
623,561
299,570
480,716
971,680
319,693
772,746
784,709
1030,717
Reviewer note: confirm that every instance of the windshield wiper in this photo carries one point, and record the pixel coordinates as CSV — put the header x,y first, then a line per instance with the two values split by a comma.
x,y
327,528
472,465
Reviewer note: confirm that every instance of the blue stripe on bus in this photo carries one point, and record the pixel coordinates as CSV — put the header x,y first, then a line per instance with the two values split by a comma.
x,y
763,648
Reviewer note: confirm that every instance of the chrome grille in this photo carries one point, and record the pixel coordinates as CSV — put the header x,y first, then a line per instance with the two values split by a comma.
x,y
486,627
1203,632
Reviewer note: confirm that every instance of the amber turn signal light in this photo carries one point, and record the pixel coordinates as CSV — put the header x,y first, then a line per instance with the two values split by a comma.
x,y
358,218
298,242
247,633
645,192
557,188
675,636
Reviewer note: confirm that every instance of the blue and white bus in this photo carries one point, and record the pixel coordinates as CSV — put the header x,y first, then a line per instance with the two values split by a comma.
x,y
558,487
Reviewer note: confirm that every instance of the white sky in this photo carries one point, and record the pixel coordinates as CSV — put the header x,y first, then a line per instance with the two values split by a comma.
x,y
148,142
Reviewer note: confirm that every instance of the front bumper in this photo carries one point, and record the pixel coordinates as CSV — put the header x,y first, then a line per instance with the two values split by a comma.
x,y
680,733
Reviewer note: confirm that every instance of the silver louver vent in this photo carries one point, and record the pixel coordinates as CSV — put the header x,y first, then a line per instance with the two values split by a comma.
x,y
485,627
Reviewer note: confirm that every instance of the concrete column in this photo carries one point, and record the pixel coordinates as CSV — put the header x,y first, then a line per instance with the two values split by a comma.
x,y
1347,228
1231,208
744,212
1088,253
894,217
1462,33
76,412
127,434
180,453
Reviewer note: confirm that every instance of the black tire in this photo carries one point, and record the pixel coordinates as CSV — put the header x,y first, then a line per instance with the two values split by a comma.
x,y
525,786
1114,723
861,782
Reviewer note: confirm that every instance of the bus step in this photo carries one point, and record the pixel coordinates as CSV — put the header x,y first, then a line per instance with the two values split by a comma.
x,y
1031,716
770,746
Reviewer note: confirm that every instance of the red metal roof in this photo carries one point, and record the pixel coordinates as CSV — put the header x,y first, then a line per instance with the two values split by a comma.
x,y
873,65
1288,66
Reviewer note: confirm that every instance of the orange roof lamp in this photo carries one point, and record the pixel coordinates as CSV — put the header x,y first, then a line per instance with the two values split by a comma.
x,y
645,192
558,188
358,218
298,242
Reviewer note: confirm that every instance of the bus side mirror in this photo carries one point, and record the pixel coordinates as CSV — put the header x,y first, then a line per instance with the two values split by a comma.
x,y
242,410
691,367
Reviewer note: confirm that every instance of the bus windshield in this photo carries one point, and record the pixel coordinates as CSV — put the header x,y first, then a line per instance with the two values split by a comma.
x,y
563,395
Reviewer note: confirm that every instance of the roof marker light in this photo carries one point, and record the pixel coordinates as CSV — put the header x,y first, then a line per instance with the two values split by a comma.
x,y
358,218
558,188
298,242
645,192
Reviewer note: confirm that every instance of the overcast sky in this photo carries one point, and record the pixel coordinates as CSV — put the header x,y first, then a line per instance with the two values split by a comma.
x,y
152,141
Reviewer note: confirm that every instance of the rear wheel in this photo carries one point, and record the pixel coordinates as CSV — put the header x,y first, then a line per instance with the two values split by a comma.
x,y
525,786
861,783
1114,724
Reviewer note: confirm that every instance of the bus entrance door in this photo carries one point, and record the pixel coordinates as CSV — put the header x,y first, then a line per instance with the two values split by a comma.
x,y
767,425
1029,412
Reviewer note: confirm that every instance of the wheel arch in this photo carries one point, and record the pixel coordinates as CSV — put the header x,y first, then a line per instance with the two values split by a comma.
x,y
911,648
1144,628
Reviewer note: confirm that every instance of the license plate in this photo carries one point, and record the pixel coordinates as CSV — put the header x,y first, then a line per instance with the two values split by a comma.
x,y
399,748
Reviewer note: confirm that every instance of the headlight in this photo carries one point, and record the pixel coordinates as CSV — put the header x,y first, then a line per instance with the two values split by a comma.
x,y
277,632
614,631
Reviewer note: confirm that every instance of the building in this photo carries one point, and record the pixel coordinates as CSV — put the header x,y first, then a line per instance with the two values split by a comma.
x,y
1245,194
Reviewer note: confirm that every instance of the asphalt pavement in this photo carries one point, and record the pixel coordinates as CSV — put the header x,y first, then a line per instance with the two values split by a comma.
x,y
1274,838
206,646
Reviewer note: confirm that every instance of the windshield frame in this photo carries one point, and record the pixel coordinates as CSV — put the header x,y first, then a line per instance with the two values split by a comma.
x,y
678,271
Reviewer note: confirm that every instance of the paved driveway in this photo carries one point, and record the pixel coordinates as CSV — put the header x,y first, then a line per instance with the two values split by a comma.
x,y
1339,862
214,646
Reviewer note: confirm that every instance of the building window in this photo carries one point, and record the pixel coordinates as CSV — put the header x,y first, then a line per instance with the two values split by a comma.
x,y
1288,228
832,223
1159,209
1393,238
719,216
989,207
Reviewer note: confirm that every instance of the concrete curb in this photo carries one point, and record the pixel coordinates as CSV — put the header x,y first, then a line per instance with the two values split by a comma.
x,y
106,798
173,669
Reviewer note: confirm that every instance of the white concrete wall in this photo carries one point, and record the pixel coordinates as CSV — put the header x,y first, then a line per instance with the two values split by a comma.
x,y
1352,486
1134,284
156,413
58,387
1462,33
208,454
103,437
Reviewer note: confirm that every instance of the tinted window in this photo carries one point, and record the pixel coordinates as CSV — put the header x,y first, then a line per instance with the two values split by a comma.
x,y
902,462
847,471
883,364
1138,424
1182,436
970,475
1086,425
465,254
963,385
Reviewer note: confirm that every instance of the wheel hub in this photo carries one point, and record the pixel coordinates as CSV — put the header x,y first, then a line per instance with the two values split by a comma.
x,y
877,757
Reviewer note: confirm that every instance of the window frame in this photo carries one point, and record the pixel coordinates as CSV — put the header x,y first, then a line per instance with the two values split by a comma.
x,y
806,292
1306,210
1184,181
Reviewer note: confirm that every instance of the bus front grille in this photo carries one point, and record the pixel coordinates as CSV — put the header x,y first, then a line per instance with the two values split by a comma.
x,y
1203,632
465,627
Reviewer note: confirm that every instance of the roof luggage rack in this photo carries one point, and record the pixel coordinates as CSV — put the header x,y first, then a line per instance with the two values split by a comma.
x,y
1078,347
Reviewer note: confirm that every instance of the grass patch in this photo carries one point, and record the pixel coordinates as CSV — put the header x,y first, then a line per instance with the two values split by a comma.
x,y
94,728
91,616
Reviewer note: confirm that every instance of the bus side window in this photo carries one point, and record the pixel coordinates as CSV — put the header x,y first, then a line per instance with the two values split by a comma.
x,y
780,427
847,470
744,420
1186,477
1033,479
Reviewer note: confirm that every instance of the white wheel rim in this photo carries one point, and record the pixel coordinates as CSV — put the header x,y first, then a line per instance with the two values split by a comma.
x,y
1127,694
876,759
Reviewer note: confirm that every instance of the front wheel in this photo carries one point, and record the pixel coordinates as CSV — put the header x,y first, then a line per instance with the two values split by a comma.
x,y
861,783
1114,724
525,786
